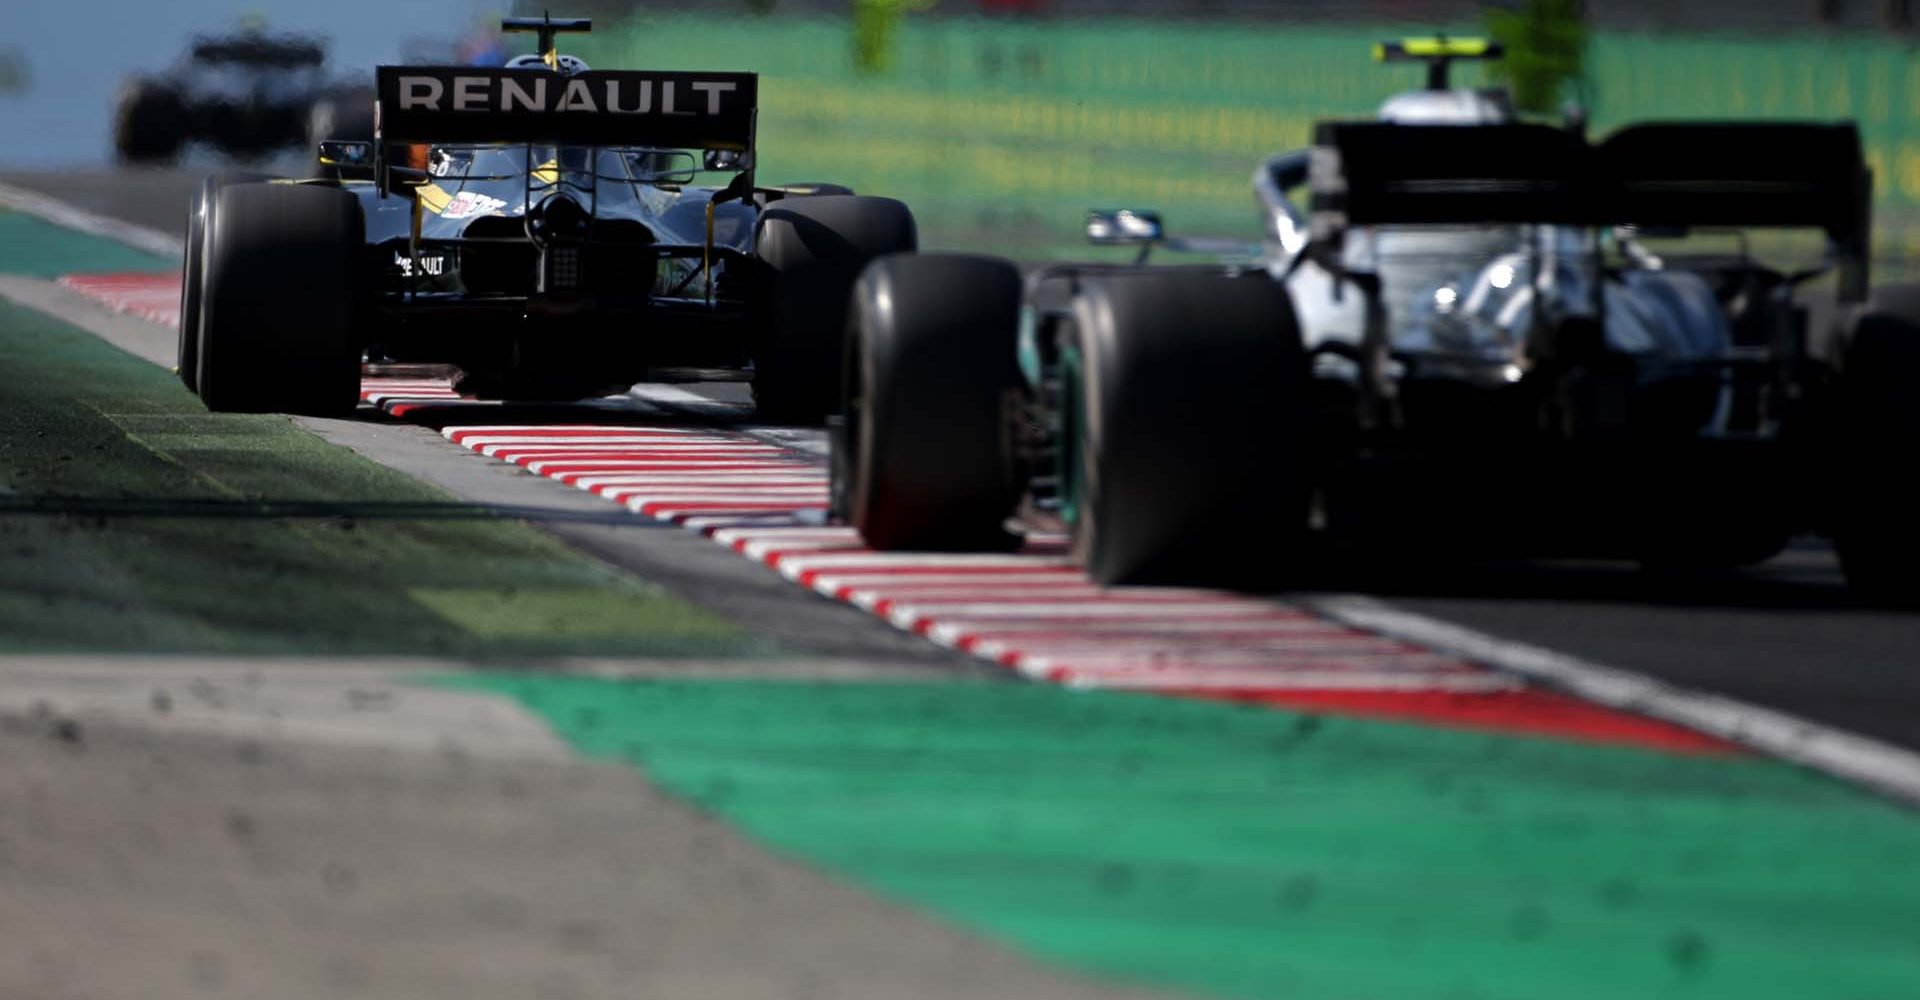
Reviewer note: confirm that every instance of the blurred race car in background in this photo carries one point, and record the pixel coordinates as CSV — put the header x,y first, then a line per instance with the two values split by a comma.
x,y
538,227
246,94
1480,337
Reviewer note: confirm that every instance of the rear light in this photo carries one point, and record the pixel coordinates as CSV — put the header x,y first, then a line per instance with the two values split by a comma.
x,y
560,269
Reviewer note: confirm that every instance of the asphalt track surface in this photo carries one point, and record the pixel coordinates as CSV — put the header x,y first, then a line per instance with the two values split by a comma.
x,y
1786,635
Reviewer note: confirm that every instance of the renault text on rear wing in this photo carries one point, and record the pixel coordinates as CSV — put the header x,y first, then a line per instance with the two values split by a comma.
x,y
594,108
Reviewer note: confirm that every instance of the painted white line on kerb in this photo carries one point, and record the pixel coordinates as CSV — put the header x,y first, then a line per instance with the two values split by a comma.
x,y
1275,680
1888,768
60,213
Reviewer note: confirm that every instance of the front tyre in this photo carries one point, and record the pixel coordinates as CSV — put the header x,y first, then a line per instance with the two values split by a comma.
x,y
922,460
1876,519
278,301
811,250
1187,425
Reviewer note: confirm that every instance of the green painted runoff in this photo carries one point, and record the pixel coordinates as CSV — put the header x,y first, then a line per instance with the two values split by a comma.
x,y
40,249
1240,851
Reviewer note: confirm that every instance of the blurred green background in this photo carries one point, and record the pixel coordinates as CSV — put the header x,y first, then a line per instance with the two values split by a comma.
x,y
1002,132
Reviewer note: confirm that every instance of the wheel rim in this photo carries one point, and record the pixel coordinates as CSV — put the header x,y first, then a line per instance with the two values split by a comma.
x,y
1072,418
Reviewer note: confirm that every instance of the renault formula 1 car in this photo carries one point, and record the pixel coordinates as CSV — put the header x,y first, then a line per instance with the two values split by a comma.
x,y
537,226
1485,336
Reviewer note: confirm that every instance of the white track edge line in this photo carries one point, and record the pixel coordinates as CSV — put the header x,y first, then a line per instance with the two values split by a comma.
x,y
60,213
1884,767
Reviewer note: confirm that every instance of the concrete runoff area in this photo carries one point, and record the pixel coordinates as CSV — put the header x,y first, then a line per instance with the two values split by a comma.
x,y
177,828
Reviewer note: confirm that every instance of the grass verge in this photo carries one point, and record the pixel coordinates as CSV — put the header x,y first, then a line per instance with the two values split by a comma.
x,y
133,520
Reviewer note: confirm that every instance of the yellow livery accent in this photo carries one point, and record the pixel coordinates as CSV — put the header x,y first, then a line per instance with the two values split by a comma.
x,y
1438,47
432,197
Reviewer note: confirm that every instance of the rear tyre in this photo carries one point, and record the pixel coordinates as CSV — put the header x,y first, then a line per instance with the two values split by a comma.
x,y
149,124
814,189
1187,425
811,250
191,277
922,461
193,274
1876,520
278,300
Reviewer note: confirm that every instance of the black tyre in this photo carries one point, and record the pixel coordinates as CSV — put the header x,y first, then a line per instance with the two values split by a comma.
x,y
815,189
1876,516
811,250
149,123
1185,412
921,461
193,273
278,300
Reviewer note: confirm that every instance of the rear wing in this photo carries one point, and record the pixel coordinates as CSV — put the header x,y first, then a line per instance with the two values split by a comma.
x,y
1664,174
1438,53
442,104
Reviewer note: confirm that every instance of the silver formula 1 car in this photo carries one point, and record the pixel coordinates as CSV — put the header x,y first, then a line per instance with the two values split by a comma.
x,y
538,227
1472,334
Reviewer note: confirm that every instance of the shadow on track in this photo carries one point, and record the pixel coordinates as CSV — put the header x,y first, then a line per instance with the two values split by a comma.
x,y
1805,577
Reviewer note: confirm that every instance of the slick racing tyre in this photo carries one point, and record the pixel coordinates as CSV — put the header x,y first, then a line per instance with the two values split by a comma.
x,y
921,461
1185,410
193,274
149,123
277,304
811,250
1876,519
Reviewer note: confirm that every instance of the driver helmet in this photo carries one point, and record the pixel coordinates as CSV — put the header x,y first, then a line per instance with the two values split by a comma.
x,y
568,65
443,162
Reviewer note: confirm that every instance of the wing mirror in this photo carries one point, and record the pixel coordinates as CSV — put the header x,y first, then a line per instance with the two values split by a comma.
x,y
345,153
726,159
1124,227
662,166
